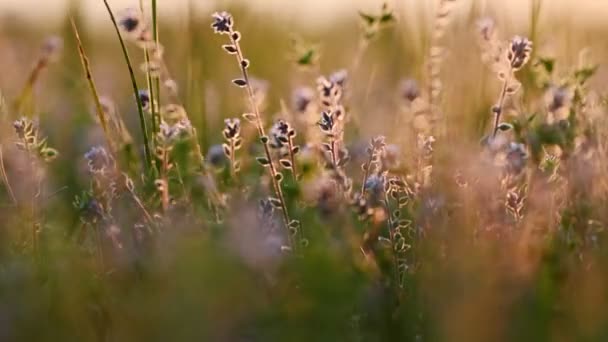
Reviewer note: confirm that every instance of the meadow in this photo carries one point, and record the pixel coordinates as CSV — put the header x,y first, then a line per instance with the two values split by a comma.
x,y
407,171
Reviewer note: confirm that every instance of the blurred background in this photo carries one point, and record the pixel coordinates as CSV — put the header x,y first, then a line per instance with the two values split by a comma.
x,y
196,288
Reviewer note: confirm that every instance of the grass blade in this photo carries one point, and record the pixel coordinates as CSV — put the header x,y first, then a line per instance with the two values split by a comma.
x,y
87,70
142,119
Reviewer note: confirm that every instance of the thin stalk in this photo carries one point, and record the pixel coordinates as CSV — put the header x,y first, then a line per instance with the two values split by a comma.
x,y
262,133
334,161
368,165
149,80
9,189
501,103
232,159
156,79
26,92
292,156
142,119
141,206
87,70
165,179
100,254
391,236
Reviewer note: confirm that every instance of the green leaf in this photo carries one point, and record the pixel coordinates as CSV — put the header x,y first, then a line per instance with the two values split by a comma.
x,y
307,58
368,19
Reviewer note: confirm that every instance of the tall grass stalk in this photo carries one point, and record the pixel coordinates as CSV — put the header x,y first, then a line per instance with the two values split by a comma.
x,y
7,184
257,120
156,79
142,119
154,109
101,115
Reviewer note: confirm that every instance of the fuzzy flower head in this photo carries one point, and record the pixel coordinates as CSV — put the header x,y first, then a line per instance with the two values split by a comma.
x,y
98,159
281,132
516,158
132,23
222,22
339,77
215,156
301,98
170,134
519,52
23,127
327,123
52,47
486,28
144,98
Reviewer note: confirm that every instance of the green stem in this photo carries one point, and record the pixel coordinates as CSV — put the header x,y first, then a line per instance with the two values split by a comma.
x,y
142,119
156,111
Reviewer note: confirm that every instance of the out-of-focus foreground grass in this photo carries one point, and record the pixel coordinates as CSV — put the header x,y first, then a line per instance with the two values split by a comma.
x,y
192,269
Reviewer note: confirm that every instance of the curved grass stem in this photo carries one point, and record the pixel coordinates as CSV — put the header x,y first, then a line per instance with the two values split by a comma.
x,y
142,119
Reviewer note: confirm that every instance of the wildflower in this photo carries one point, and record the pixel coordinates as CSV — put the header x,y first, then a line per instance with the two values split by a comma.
x,y
559,97
516,157
409,90
171,133
144,98
390,157
486,27
173,113
425,144
51,48
131,22
331,89
222,22
519,52
171,86
281,132
374,186
324,86
98,159
151,67
232,128
22,127
216,156
301,98
339,77
327,122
